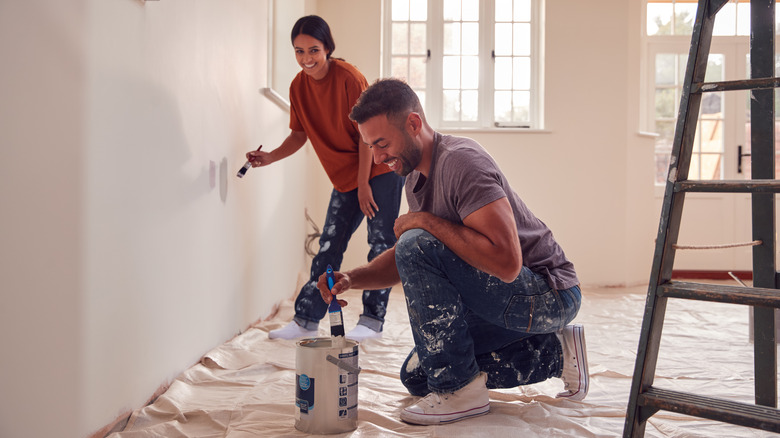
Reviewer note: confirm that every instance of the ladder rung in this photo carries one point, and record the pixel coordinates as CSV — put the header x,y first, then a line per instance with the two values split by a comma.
x,y
743,414
744,84
729,186
751,296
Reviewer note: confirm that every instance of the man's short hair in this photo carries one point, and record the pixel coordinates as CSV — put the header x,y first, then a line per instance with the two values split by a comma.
x,y
391,97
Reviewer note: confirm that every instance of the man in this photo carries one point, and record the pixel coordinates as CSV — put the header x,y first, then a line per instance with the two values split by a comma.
x,y
488,290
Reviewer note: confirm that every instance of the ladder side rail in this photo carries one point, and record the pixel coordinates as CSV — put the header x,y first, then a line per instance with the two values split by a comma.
x,y
762,121
671,214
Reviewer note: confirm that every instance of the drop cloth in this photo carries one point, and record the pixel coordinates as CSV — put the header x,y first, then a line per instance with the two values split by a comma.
x,y
246,387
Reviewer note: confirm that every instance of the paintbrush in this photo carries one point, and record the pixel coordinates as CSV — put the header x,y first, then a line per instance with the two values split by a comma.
x,y
336,317
247,166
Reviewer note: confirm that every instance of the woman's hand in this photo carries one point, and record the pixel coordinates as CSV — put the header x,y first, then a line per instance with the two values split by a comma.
x,y
259,158
366,201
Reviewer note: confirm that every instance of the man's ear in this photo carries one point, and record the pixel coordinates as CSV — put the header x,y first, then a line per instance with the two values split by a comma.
x,y
414,123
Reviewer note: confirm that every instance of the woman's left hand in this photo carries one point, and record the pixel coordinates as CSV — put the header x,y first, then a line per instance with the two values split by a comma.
x,y
366,201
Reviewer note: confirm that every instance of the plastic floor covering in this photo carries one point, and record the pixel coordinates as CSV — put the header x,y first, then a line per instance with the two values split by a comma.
x,y
246,387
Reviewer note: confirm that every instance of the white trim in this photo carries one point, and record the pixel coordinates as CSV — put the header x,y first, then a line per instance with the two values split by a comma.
x,y
276,98
459,131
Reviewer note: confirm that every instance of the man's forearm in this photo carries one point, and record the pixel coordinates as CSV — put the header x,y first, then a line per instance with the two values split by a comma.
x,y
378,274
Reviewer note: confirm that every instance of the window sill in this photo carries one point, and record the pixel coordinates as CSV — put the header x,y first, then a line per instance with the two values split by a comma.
x,y
458,131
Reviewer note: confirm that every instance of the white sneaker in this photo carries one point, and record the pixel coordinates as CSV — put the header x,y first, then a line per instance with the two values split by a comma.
x,y
292,331
576,379
361,333
472,400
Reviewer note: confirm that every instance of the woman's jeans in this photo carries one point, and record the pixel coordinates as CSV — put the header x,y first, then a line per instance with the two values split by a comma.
x,y
465,321
341,221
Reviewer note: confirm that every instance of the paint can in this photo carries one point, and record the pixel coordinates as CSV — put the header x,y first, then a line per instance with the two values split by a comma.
x,y
326,386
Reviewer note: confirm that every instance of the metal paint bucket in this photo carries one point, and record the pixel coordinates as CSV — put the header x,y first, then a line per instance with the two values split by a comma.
x,y
326,386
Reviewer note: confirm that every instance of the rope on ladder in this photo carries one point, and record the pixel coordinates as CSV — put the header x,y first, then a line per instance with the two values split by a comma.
x,y
727,245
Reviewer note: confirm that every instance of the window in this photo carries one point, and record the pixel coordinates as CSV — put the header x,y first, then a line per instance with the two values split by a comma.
x,y
721,124
472,63
708,148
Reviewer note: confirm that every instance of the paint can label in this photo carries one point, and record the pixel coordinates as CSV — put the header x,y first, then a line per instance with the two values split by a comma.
x,y
348,396
304,393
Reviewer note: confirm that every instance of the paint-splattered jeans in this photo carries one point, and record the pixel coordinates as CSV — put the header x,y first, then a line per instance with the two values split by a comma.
x,y
341,221
465,321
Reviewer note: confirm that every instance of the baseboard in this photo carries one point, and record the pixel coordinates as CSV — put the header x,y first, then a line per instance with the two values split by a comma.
x,y
710,275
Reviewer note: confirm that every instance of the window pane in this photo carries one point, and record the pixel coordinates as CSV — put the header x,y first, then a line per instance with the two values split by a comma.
x,y
743,18
502,104
400,66
417,72
711,166
452,10
665,131
665,103
400,10
663,149
421,96
451,72
682,64
521,106
694,172
503,74
726,21
470,105
470,39
697,140
522,39
503,10
712,136
451,105
522,10
418,10
470,72
661,167
711,105
522,74
665,68
684,14
470,10
452,39
417,40
503,39
400,45
714,71
659,18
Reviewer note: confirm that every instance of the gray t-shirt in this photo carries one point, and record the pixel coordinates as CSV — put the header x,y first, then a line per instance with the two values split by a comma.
x,y
465,178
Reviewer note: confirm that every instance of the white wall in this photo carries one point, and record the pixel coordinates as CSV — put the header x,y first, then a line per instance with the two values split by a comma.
x,y
129,246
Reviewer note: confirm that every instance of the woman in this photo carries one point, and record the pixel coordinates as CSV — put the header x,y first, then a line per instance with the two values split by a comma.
x,y
321,97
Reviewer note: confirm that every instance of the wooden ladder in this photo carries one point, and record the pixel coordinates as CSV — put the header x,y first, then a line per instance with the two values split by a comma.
x,y
645,399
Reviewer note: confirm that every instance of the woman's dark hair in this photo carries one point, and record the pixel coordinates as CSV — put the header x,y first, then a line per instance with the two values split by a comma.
x,y
315,27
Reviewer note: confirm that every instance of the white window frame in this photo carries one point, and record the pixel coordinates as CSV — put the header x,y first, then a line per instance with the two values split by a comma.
x,y
435,42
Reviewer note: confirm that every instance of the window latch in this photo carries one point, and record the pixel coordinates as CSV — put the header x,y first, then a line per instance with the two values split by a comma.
x,y
739,158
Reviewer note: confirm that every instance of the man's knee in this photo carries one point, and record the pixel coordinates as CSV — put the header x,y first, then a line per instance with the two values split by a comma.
x,y
414,242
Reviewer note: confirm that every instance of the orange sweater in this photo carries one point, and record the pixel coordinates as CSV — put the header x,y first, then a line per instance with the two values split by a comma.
x,y
321,110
